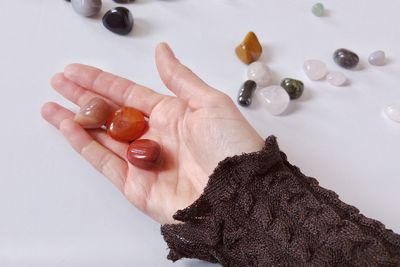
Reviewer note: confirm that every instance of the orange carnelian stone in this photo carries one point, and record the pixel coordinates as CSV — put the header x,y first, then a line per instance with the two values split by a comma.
x,y
250,49
126,124
144,154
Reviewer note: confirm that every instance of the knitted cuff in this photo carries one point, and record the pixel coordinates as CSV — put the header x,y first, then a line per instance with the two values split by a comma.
x,y
259,210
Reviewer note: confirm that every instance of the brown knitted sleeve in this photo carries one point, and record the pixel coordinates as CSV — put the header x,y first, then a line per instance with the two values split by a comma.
x,y
259,210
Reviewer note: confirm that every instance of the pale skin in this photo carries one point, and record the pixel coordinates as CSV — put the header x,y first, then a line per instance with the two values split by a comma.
x,y
197,128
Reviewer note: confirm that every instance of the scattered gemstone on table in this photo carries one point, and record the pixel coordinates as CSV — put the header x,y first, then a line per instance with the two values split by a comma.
x,y
346,58
93,114
315,69
293,87
318,10
86,8
336,78
260,73
275,99
393,112
250,49
144,154
377,58
126,124
246,92
118,20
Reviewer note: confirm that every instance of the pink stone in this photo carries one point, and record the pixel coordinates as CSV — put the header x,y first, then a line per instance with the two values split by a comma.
x,y
315,69
336,78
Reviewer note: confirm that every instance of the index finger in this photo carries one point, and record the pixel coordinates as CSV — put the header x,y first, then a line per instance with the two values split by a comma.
x,y
120,90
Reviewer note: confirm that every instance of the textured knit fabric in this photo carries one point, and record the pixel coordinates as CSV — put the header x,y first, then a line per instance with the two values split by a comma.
x,y
259,210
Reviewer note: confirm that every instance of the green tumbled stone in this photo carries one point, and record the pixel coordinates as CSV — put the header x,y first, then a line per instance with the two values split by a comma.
x,y
318,9
294,87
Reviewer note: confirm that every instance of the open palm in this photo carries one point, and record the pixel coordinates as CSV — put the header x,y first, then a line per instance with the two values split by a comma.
x,y
196,129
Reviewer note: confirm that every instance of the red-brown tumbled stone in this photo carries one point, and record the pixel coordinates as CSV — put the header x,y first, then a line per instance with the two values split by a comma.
x,y
144,154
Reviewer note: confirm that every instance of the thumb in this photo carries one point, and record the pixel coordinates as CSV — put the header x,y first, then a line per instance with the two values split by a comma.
x,y
177,77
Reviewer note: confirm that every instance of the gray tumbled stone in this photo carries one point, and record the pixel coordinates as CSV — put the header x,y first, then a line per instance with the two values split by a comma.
x,y
377,58
86,8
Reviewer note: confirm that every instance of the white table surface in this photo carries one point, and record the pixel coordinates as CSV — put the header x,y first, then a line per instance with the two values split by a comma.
x,y
56,210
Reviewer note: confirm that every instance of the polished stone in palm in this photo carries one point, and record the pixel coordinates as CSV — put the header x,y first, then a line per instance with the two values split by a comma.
x,y
196,129
145,154
126,124
93,114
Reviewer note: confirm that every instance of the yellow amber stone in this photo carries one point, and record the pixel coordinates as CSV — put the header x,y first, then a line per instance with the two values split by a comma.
x,y
250,49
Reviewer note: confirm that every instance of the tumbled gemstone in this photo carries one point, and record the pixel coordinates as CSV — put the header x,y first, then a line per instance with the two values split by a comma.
x,y
250,49
126,124
315,69
93,114
144,154
293,87
118,20
393,112
246,92
275,99
318,9
86,8
346,58
260,73
377,58
336,78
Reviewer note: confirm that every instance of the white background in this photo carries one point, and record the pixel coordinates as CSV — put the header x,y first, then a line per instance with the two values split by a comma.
x,y
56,210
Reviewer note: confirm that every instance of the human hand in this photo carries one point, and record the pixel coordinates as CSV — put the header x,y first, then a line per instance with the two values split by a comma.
x,y
196,129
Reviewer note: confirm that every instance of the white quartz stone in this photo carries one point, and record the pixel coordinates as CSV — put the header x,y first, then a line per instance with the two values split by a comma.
x,y
86,8
377,58
275,99
393,112
336,78
315,69
260,73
